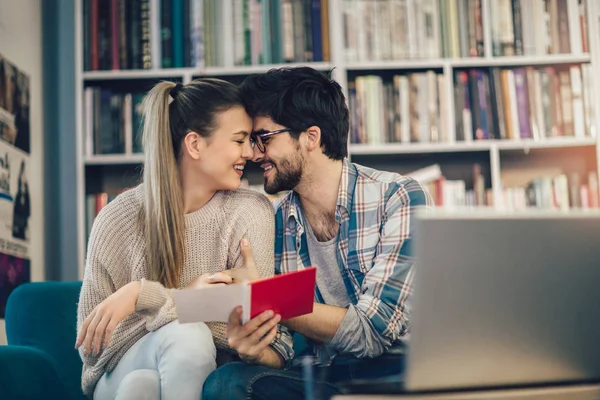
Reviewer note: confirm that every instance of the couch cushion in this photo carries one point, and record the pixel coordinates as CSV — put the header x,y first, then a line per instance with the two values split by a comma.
x,y
43,315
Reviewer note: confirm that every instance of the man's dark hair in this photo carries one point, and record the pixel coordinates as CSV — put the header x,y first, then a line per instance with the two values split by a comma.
x,y
299,98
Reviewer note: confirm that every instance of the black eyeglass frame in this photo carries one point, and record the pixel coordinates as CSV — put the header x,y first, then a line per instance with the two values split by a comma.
x,y
256,138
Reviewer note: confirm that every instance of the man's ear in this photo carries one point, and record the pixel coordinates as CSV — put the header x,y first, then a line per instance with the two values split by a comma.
x,y
313,138
194,145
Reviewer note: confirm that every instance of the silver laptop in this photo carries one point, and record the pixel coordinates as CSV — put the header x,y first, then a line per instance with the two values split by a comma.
x,y
505,300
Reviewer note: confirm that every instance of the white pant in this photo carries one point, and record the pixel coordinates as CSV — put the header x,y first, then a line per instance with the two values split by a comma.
x,y
170,363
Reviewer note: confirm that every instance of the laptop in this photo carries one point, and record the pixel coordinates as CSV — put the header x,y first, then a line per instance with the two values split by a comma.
x,y
501,300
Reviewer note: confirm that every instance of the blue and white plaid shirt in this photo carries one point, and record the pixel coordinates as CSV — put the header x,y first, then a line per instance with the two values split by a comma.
x,y
375,210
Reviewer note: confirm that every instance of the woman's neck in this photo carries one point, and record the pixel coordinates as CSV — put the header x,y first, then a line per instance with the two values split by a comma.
x,y
194,196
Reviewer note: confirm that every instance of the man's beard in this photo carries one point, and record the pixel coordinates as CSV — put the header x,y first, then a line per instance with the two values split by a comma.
x,y
287,175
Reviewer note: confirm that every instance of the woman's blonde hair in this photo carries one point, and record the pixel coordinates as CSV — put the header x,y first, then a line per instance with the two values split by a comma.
x,y
170,112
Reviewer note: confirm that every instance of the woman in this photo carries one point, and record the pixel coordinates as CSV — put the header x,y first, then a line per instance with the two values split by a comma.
x,y
179,229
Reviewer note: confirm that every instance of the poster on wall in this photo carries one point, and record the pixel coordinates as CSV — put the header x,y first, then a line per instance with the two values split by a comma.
x,y
15,206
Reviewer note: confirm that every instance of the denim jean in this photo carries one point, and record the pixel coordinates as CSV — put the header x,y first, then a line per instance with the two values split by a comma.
x,y
239,380
170,363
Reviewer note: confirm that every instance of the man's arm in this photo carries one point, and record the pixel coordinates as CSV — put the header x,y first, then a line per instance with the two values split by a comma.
x,y
321,325
381,315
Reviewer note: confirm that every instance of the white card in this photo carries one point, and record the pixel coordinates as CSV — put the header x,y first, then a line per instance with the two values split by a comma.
x,y
209,304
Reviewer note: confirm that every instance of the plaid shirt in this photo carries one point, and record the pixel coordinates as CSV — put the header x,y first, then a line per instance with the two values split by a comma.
x,y
375,255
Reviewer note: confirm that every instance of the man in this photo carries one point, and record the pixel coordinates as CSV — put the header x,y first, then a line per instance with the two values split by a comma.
x,y
354,223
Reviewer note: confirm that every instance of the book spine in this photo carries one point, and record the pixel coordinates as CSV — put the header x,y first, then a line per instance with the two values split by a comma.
x,y
298,28
114,34
104,31
187,33
325,30
276,32
475,106
317,40
308,30
94,26
564,44
459,105
464,28
123,37
177,34
87,28
518,28
146,51
165,24
134,34
155,34
485,116
522,103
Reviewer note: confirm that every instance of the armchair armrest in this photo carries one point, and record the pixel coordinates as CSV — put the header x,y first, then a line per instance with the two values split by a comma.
x,y
28,373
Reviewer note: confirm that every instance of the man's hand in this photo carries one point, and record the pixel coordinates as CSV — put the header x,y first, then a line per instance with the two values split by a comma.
x,y
209,279
251,341
248,271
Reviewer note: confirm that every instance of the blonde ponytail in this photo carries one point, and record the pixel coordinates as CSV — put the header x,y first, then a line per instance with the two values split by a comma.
x,y
166,122
164,215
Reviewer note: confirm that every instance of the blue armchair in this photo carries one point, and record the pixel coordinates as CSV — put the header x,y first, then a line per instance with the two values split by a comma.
x,y
40,360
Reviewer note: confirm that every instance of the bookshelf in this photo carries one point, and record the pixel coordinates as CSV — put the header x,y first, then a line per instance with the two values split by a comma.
x,y
500,167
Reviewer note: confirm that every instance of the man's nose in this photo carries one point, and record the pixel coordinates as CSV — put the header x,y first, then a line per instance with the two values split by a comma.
x,y
258,155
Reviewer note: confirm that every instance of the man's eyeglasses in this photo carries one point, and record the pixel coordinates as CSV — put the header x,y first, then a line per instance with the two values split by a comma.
x,y
256,138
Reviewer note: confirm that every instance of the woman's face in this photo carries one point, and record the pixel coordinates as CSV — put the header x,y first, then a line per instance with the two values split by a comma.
x,y
226,151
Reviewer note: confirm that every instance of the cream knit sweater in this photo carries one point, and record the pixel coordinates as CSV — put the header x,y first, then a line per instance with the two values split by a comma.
x,y
116,256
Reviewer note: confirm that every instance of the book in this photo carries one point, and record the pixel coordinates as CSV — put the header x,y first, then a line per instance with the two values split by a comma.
x,y
289,295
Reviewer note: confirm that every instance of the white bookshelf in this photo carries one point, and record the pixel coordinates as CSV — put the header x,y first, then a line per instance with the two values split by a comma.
x,y
113,159
495,150
458,147
475,62
187,74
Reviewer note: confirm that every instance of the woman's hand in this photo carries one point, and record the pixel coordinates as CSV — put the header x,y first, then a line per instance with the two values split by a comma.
x,y
103,320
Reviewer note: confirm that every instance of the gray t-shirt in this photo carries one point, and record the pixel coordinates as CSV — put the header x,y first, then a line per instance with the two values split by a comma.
x,y
329,278
355,335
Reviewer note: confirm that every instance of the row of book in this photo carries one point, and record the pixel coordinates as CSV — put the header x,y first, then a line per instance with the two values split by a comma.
x,y
538,27
112,121
410,108
453,192
152,34
560,192
494,103
429,29
524,103
412,29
